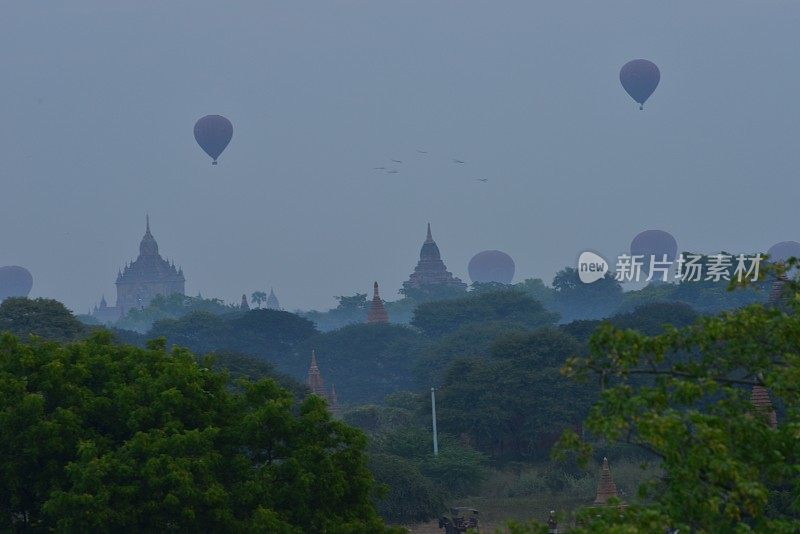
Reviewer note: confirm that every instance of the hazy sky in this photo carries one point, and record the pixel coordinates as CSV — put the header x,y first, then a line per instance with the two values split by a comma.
x,y
98,100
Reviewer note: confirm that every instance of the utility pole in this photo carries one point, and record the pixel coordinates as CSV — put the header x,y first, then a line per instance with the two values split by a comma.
x,y
433,417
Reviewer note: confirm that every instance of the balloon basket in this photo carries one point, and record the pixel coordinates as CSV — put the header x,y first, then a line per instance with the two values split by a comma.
x,y
213,162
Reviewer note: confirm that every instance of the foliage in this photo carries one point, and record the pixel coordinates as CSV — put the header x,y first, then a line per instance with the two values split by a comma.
x,y
508,306
467,341
574,299
513,404
649,319
433,292
410,497
266,334
400,311
258,298
683,396
46,318
366,362
351,310
98,437
401,456
536,289
171,307
242,366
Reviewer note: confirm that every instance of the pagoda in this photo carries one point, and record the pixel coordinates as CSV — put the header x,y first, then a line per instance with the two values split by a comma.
x,y
377,312
314,378
272,301
606,489
759,398
317,385
431,270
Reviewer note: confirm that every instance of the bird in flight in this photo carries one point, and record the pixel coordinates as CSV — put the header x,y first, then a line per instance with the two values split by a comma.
x,y
484,180
397,161
422,151
393,171
458,161
378,168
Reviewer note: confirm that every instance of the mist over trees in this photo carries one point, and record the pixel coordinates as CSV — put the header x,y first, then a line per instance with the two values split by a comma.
x,y
496,356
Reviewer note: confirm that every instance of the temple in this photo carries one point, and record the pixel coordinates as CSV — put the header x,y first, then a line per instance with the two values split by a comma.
x,y
272,301
317,385
430,270
141,281
606,489
759,398
244,305
377,312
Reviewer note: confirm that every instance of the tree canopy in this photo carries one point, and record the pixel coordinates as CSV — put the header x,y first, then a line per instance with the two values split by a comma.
x,y
45,318
507,306
98,438
515,403
267,334
684,396
366,362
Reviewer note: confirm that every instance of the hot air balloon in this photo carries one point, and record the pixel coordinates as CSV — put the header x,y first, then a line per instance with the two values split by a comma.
x,y
15,281
213,133
783,251
640,78
656,243
491,266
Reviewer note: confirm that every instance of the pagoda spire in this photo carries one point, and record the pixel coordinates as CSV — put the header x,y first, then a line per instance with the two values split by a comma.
x,y
759,398
377,312
147,218
314,379
244,305
606,489
429,238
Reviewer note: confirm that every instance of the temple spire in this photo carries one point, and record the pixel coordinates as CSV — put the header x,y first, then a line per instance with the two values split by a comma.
x,y
429,238
377,312
147,218
314,379
759,398
244,305
606,489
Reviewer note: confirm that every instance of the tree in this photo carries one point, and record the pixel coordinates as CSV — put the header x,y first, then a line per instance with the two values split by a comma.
x,y
684,397
577,300
99,437
45,318
537,289
366,362
351,310
267,334
650,319
258,297
433,292
507,306
515,403
467,341
171,307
